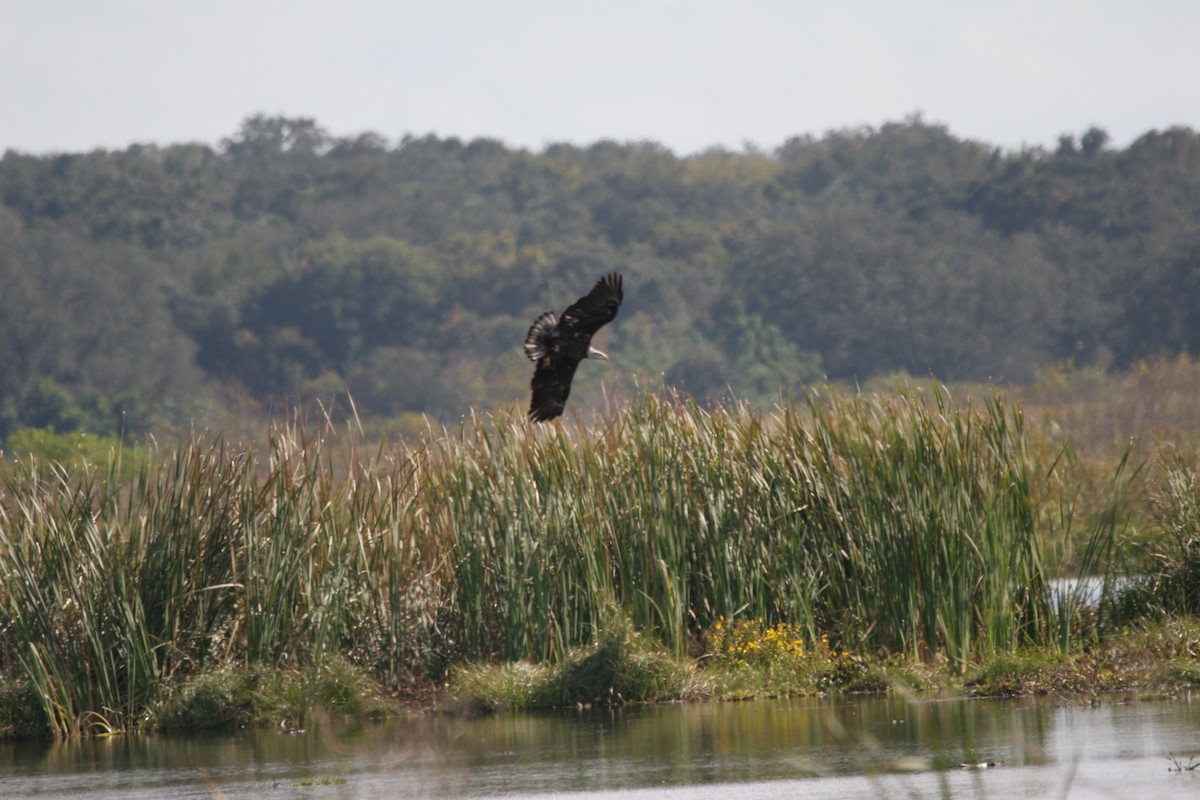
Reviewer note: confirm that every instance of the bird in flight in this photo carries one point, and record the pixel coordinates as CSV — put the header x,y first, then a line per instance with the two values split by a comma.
x,y
558,343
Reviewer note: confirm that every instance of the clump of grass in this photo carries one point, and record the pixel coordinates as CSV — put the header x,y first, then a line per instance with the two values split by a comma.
x,y
1159,657
903,675
20,712
487,688
1171,585
621,667
1159,654
207,558
215,700
234,697
1016,673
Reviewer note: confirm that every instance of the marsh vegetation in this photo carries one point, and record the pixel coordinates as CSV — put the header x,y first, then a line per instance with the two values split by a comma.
x,y
661,550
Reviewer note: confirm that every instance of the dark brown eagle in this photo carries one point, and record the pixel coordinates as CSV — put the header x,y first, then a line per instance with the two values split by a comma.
x,y
558,344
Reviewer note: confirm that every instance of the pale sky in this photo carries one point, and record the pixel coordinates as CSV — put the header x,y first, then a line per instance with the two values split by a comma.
x,y
76,75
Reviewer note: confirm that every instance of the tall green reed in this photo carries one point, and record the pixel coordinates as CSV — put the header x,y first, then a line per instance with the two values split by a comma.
x,y
902,522
906,523
922,515
80,630
110,589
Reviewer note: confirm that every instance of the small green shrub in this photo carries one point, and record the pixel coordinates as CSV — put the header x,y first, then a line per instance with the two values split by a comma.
x,y
622,667
1014,673
234,697
487,688
21,712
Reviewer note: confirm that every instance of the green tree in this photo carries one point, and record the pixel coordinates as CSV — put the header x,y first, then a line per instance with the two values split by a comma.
x,y
340,301
288,263
91,318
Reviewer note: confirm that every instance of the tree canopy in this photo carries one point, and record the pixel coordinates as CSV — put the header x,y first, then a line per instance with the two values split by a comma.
x,y
162,283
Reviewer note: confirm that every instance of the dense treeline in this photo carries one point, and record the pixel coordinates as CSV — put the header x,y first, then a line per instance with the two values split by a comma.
x,y
166,284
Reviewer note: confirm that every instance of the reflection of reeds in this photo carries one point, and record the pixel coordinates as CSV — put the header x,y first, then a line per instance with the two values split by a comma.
x,y
905,522
1179,766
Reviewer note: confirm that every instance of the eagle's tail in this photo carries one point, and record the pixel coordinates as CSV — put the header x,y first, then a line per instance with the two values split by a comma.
x,y
541,333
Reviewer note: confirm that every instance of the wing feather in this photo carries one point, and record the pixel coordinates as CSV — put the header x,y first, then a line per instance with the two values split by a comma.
x,y
595,309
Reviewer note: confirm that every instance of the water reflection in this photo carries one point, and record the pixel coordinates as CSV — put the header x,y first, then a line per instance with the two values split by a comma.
x,y
830,747
737,742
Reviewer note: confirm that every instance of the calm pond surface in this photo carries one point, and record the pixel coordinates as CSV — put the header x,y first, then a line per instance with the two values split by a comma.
x,y
819,748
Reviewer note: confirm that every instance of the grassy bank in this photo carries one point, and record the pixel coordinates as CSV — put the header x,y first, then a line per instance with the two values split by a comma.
x,y
864,531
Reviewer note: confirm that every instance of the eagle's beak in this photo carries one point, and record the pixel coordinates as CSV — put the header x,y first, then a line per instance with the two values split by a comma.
x,y
594,353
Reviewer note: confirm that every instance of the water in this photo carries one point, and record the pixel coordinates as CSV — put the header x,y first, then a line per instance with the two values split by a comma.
x,y
830,748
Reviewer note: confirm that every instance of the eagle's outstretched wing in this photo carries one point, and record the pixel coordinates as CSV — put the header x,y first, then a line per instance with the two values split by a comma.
x,y
594,310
